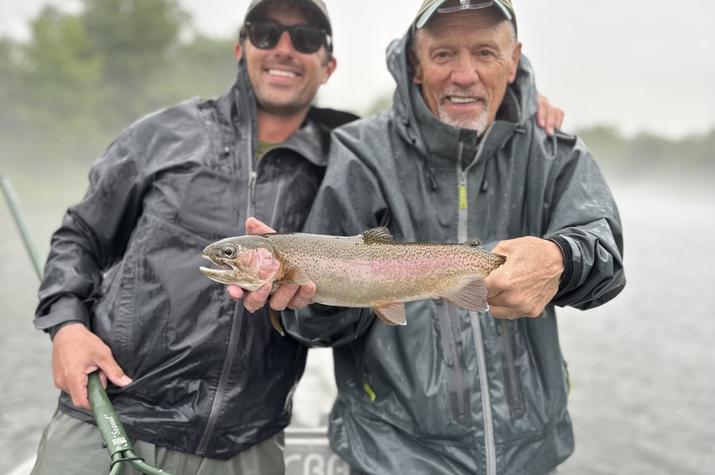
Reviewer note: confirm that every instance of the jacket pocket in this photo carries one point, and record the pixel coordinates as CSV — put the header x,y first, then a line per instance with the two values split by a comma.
x,y
114,312
459,393
512,381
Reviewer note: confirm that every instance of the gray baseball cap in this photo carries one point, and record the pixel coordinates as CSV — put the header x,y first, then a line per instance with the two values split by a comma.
x,y
315,7
430,7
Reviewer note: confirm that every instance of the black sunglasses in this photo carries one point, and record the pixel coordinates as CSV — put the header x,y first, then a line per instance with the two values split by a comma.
x,y
305,38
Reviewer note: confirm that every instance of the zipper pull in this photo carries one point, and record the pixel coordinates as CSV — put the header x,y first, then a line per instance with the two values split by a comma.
x,y
463,191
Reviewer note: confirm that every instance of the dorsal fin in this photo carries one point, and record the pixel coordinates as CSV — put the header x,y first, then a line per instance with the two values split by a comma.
x,y
377,235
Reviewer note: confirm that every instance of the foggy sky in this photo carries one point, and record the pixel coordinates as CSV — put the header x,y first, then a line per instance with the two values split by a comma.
x,y
634,64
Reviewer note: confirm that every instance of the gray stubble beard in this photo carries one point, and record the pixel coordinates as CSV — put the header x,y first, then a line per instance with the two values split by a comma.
x,y
478,124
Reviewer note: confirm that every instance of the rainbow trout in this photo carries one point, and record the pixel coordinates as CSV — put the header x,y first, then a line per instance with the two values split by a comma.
x,y
368,270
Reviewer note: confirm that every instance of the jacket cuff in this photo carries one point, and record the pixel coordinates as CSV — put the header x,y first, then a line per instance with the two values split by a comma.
x,y
569,271
66,310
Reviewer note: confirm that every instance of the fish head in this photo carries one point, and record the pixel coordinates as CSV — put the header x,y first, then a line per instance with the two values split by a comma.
x,y
246,261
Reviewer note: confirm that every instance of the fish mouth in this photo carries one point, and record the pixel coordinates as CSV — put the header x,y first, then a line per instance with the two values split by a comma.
x,y
223,273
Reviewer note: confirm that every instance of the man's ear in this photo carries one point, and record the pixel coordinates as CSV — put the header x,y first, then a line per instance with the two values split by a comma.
x,y
237,51
330,68
515,57
417,77
414,64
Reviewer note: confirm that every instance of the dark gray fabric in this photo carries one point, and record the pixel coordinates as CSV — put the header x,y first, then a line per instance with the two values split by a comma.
x,y
72,447
208,378
411,399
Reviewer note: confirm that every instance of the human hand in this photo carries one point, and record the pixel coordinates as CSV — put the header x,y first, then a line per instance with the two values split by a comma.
x,y
285,296
77,352
549,117
527,281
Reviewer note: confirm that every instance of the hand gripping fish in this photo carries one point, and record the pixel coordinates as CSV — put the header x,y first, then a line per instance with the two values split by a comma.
x,y
367,270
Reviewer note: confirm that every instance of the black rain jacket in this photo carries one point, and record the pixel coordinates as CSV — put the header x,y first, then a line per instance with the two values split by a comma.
x,y
209,378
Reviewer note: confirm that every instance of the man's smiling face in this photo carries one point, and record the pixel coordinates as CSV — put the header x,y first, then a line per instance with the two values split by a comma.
x,y
285,80
464,63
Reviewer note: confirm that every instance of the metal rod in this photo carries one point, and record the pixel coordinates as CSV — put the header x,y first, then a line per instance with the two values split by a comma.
x,y
22,226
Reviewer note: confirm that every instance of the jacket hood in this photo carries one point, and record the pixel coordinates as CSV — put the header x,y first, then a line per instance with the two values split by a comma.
x,y
418,126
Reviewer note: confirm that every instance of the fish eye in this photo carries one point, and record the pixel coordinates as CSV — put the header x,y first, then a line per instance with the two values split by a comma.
x,y
229,251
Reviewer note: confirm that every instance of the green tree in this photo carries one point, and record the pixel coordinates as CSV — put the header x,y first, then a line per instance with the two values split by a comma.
x,y
137,41
9,85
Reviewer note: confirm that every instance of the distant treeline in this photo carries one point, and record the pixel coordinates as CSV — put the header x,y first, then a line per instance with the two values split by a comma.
x,y
651,153
80,78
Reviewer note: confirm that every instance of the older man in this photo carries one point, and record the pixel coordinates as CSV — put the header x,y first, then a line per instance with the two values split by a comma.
x,y
459,157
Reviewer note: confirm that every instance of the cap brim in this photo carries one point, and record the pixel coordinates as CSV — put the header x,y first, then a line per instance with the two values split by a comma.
x,y
504,10
427,14
423,18
321,16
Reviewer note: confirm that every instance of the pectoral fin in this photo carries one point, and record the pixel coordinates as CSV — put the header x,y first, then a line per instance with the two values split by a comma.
x,y
296,275
392,313
472,296
276,321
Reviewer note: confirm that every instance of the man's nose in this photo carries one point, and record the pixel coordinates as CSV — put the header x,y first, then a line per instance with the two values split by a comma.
x,y
284,45
465,72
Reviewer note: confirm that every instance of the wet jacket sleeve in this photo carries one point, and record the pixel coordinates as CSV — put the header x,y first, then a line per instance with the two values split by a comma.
x,y
349,202
92,236
584,222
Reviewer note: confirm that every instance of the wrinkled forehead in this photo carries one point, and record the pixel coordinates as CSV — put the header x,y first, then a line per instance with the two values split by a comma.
x,y
465,27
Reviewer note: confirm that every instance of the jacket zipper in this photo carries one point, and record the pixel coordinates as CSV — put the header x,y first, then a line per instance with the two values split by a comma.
x,y
252,178
462,230
236,317
252,175
223,379
276,204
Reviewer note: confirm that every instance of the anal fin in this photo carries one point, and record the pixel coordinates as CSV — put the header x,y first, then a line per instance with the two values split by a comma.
x,y
392,313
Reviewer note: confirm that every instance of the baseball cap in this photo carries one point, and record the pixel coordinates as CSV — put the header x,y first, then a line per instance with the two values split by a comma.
x,y
315,7
430,7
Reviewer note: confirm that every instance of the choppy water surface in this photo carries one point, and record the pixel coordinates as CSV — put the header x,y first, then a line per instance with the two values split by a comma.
x,y
641,366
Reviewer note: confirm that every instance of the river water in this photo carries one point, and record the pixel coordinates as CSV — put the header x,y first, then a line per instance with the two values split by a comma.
x,y
641,366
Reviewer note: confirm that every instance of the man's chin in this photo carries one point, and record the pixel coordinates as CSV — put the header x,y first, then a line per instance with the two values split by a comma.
x,y
478,124
282,106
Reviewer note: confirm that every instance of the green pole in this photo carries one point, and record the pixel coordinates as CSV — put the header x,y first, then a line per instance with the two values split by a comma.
x,y
14,205
110,427
113,434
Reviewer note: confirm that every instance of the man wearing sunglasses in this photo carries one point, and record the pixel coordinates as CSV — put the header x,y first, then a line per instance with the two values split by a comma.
x,y
200,384
460,157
